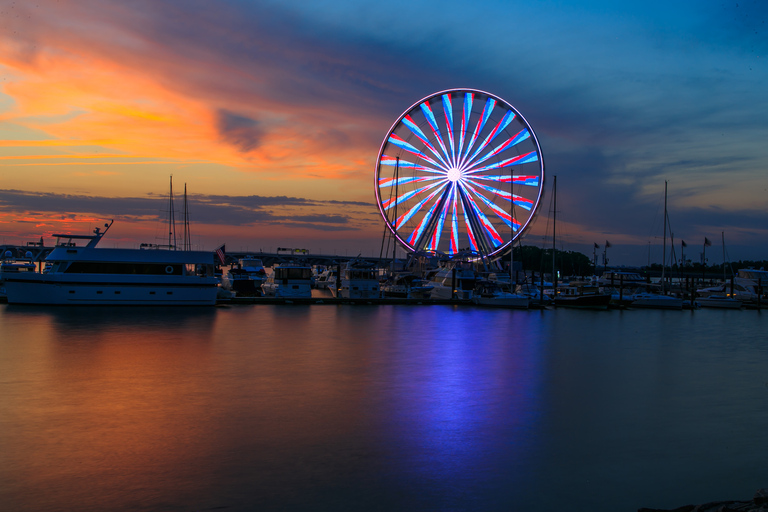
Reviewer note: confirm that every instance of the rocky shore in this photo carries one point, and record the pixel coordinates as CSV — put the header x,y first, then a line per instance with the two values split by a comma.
x,y
759,503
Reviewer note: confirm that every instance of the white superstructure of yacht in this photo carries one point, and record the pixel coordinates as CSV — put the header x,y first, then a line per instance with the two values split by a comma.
x,y
90,275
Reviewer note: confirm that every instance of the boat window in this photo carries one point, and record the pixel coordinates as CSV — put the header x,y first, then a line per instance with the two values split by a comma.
x,y
104,267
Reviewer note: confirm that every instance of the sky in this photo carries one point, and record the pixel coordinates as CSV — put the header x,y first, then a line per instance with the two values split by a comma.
x,y
272,114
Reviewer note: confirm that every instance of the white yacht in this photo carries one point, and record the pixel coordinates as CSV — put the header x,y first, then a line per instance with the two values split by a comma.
x,y
11,265
326,280
245,277
95,276
444,279
647,299
359,280
498,294
289,280
406,285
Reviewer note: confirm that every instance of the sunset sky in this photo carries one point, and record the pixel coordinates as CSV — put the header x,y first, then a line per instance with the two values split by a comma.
x,y
272,113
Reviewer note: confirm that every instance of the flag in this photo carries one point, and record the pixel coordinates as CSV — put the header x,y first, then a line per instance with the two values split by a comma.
x,y
682,242
707,243
221,254
607,244
596,246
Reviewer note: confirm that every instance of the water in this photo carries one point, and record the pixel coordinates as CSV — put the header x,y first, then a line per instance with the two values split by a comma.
x,y
379,408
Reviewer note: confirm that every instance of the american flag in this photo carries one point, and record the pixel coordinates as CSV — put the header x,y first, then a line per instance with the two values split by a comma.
x,y
220,253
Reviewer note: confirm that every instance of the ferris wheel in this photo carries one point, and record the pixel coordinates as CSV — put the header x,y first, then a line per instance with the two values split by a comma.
x,y
459,172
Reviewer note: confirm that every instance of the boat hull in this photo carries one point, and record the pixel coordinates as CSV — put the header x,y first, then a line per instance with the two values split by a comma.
x,y
502,302
53,290
584,302
719,302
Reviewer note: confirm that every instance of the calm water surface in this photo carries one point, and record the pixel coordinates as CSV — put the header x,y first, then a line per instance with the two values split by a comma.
x,y
379,408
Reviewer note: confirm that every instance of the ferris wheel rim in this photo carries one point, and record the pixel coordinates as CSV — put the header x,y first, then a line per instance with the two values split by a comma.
x,y
505,247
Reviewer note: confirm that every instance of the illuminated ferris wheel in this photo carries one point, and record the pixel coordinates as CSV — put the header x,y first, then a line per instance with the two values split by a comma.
x,y
460,171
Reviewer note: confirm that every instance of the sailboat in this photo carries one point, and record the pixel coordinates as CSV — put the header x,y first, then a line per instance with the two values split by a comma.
x,y
719,297
645,298
576,294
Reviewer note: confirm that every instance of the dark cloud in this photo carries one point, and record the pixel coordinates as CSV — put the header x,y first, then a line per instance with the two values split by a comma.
x,y
241,132
214,209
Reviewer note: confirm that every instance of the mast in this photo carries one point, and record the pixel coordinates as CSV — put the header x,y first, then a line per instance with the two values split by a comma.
x,y
664,245
554,226
187,235
171,220
722,236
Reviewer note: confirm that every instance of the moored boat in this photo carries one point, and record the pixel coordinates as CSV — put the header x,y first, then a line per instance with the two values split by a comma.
x,y
90,275
289,280
719,301
581,294
452,283
655,301
359,280
406,285
246,277
496,294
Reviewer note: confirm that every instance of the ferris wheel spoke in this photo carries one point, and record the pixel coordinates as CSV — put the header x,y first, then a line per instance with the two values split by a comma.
x,y
520,137
408,121
465,114
532,181
405,164
427,111
518,160
503,123
415,208
500,212
448,109
437,232
407,195
470,233
487,109
493,235
417,237
454,228
399,142
391,182
503,193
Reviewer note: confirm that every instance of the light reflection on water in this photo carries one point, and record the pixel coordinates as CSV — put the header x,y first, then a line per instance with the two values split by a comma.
x,y
380,407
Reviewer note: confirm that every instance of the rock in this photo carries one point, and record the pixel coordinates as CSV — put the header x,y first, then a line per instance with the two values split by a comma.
x,y
761,497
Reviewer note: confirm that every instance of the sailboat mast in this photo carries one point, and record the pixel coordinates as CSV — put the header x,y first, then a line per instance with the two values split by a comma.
x,y
187,236
722,236
171,221
664,244
554,226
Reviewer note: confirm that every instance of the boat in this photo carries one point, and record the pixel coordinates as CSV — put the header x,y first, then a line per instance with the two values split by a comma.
x,y
719,301
534,293
454,282
359,280
11,265
92,275
496,294
615,278
406,285
289,280
326,279
581,294
650,300
246,277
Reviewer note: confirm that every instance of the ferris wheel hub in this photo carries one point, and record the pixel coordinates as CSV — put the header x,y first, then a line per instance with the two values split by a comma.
x,y
454,174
